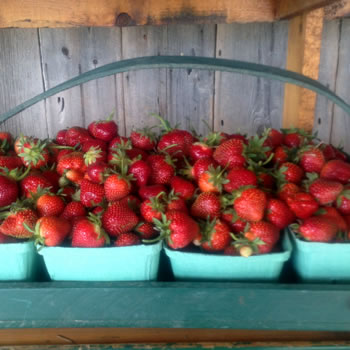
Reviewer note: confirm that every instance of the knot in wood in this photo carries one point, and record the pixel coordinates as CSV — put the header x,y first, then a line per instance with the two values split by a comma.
x,y
123,19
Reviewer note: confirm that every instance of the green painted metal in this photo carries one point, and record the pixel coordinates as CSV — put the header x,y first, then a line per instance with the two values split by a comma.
x,y
175,305
185,62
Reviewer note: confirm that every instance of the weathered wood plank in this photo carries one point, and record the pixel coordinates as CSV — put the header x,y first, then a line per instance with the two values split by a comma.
x,y
20,79
341,121
144,91
65,13
304,47
190,93
69,52
243,103
291,8
337,10
327,76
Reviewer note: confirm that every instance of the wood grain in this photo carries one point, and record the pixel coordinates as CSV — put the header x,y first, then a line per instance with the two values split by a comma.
x,y
190,93
290,8
20,79
304,47
67,53
144,91
242,103
338,9
108,13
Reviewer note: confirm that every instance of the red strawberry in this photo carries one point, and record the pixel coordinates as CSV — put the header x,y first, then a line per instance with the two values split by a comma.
x,y
336,170
200,150
230,154
312,160
93,155
50,204
10,162
8,191
162,170
76,135
333,214
303,205
278,213
343,202
174,202
68,192
32,182
287,189
34,153
250,204
91,194
266,180
144,139
215,235
152,208
88,233
325,191
141,172
185,189
97,172
136,153
127,239
263,235
275,138
53,177
146,192
72,210
280,155
118,141
51,230
212,180
318,229
132,202
118,218
178,229
116,187
206,205
231,251
104,130
145,230
74,161
230,216
202,165
291,172
293,139
239,177
95,143
14,223
61,137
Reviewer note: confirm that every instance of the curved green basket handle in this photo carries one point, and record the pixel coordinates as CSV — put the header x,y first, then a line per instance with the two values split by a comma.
x,y
185,62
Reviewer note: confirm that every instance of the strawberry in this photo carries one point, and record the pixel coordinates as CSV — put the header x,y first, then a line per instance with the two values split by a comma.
x,y
200,150
202,165
96,144
231,218
61,137
250,204
72,210
215,235
132,202
16,218
185,189
50,204
318,229
343,202
161,169
312,160
141,172
263,236
32,182
287,189
93,155
144,139
116,187
336,170
51,231
127,239
266,180
118,218
10,162
145,230
239,177
325,191
174,202
230,154
52,176
91,194
8,191
275,138
212,180
177,228
97,172
153,208
206,205
303,205
68,193
293,138
136,153
76,135
333,214
19,142
146,192
104,130
119,141
231,250
88,233
71,175
280,155
278,213
290,172
73,160
34,153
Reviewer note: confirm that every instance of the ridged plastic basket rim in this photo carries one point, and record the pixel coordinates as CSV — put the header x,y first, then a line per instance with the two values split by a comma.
x,y
19,246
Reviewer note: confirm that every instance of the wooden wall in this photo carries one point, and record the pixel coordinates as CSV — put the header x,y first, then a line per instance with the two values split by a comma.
x,y
32,60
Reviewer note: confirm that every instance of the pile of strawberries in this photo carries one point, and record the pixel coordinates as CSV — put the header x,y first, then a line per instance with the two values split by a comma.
x,y
223,193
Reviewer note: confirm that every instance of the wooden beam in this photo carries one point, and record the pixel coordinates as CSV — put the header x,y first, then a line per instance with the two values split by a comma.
x,y
290,8
338,9
67,13
304,46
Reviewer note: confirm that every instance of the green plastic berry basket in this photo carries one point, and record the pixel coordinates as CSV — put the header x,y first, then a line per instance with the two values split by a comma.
x,y
211,267
134,263
19,261
320,262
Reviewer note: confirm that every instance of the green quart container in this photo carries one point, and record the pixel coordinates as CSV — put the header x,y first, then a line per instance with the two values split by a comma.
x,y
134,263
211,267
18,261
320,262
